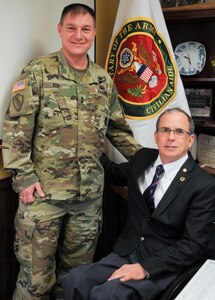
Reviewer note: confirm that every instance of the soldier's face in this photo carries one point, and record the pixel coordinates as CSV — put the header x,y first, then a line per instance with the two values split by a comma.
x,y
77,33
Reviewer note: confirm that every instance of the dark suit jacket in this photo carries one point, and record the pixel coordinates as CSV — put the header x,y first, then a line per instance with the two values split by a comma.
x,y
176,234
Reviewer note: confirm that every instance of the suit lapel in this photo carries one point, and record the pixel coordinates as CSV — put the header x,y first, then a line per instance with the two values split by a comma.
x,y
143,163
146,158
143,160
175,187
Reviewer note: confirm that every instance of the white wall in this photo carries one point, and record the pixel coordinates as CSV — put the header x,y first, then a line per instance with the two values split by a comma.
x,y
28,29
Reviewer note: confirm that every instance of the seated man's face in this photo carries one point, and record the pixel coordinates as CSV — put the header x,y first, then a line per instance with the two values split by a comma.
x,y
173,145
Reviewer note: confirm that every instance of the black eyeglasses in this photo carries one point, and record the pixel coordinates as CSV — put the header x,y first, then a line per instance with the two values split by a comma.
x,y
177,131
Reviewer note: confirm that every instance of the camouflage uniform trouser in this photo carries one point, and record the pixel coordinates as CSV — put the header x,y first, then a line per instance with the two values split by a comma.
x,y
49,229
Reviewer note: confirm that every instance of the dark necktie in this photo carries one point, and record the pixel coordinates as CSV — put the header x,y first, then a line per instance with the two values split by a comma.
x,y
149,192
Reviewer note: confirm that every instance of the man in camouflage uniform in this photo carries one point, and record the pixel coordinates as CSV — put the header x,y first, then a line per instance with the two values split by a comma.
x,y
62,107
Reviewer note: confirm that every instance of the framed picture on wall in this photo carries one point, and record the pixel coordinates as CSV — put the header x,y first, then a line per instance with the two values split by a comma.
x,y
200,101
175,3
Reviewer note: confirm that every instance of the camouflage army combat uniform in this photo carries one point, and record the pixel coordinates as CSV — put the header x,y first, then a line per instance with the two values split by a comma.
x,y
54,133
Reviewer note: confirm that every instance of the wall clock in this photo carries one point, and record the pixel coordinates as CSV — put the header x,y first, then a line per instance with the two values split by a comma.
x,y
190,58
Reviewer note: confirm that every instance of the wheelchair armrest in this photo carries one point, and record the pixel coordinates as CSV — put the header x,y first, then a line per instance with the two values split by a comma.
x,y
175,288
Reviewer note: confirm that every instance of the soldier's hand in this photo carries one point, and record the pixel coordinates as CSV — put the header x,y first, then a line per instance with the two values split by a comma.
x,y
27,195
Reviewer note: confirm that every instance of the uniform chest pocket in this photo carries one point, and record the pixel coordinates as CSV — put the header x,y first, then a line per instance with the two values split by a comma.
x,y
100,119
98,108
54,112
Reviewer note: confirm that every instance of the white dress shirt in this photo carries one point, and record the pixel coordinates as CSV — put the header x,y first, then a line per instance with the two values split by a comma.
x,y
170,170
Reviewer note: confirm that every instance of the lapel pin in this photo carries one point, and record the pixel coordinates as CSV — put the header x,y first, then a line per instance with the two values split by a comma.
x,y
184,170
182,179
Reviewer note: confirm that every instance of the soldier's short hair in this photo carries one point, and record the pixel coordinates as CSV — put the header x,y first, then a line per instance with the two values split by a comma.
x,y
77,9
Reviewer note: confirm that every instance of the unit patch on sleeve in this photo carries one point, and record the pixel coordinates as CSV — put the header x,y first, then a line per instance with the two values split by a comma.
x,y
18,101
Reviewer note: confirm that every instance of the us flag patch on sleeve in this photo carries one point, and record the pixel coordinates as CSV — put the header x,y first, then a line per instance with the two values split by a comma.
x,y
19,85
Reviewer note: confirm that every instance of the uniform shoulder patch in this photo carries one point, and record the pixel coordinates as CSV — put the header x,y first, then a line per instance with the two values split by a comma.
x,y
19,85
18,101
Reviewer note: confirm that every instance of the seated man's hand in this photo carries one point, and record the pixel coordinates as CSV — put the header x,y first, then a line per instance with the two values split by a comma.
x,y
129,272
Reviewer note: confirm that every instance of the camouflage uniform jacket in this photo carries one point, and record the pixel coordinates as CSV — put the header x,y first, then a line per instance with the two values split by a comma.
x,y
55,128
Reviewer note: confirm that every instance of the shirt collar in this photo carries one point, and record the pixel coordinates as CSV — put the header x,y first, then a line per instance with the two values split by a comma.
x,y
172,167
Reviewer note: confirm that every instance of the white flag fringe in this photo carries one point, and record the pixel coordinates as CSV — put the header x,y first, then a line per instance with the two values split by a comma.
x,y
141,61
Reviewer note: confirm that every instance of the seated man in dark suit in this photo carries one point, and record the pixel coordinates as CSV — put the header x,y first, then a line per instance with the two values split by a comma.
x,y
168,220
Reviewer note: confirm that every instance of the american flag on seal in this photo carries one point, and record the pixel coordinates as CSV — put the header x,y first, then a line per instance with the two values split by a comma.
x,y
143,71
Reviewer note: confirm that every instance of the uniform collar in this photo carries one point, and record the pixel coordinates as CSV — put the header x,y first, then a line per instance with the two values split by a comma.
x,y
67,72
